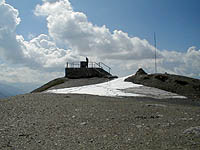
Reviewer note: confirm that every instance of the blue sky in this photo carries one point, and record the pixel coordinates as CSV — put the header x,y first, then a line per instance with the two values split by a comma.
x,y
176,22
119,33
29,22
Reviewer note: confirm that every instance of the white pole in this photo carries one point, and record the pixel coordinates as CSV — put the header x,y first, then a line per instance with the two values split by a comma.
x,y
155,52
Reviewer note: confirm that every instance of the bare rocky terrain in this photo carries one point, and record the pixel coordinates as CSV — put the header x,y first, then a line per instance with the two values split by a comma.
x,y
52,121
70,121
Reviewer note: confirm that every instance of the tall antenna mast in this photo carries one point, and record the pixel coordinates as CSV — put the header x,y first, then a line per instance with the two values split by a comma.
x,y
155,52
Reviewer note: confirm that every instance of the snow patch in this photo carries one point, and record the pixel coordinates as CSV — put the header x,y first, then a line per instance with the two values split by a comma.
x,y
118,88
112,89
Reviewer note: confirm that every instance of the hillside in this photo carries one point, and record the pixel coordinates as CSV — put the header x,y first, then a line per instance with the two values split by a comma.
x,y
182,85
67,83
42,120
158,86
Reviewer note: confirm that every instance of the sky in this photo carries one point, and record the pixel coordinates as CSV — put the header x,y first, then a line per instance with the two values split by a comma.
x,y
38,37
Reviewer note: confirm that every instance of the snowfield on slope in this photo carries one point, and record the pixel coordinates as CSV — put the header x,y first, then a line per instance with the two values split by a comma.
x,y
111,88
118,88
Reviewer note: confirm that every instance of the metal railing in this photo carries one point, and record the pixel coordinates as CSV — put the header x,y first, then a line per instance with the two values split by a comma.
x,y
90,65
105,66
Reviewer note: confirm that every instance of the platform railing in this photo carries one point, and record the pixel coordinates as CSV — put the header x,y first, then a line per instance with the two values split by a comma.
x,y
105,66
90,65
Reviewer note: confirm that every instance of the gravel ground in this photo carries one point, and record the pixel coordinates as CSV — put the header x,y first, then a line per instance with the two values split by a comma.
x,y
51,121
152,92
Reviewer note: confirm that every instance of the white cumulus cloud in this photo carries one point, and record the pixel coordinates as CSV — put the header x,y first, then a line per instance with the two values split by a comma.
x,y
2,1
24,58
40,52
9,17
45,52
71,37
71,28
9,45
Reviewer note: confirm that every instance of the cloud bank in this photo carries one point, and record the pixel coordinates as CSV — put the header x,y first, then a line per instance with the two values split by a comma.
x,y
71,28
71,37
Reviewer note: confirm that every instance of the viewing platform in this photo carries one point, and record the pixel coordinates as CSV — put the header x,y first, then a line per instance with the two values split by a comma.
x,y
84,69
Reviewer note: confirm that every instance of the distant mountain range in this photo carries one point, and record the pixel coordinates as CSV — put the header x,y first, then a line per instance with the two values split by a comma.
x,y
7,90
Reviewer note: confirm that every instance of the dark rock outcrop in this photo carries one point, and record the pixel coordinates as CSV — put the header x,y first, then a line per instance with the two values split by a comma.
x,y
140,72
182,85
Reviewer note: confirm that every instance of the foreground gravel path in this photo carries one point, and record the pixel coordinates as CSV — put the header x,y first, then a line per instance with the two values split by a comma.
x,y
51,121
